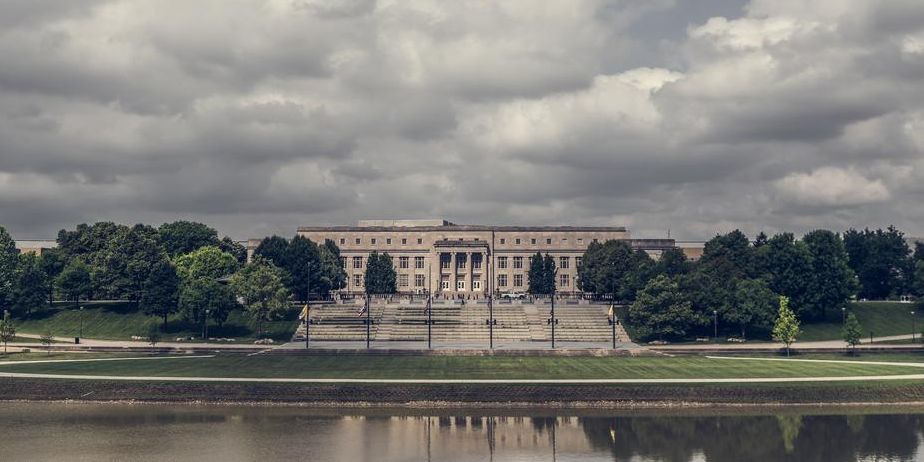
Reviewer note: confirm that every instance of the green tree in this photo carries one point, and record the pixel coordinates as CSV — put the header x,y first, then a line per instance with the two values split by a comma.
x,y
153,335
7,329
549,273
604,268
182,237
661,310
333,274
730,255
852,331
206,262
52,264
790,272
831,281
536,276
47,339
642,269
673,263
786,327
261,288
880,259
751,304
199,295
302,261
127,263
234,248
31,286
8,265
274,249
159,292
380,277
74,281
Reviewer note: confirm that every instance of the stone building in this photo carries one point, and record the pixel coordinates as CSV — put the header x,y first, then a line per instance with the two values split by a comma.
x,y
467,261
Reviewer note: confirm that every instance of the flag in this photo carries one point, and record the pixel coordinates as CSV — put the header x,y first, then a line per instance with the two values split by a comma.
x,y
610,314
304,314
361,311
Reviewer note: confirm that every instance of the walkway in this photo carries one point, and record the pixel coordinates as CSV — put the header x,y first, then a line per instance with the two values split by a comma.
x,y
871,378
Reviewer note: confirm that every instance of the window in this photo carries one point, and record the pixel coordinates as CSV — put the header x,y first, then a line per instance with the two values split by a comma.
x,y
402,280
476,285
580,240
403,262
518,280
563,280
548,241
420,280
403,241
445,261
357,241
343,262
342,241
577,261
388,241
357,262
502,262
444,284
518,241
460,285
501,280
418,262
358,280
563,262
373,241
476,261
461,260
517,262
503,241
532,241
419,240
595,241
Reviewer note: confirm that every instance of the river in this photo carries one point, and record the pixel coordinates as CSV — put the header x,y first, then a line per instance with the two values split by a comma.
x,y
121,432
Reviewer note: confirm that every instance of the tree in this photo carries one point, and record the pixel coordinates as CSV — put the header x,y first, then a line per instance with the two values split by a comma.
x,y
673,262
234,248
181,237
880,259
127,261
7,329
852,331
8,264
661,310
729,254
789,269
786,327
274,249
549,272
831,281
380,277
31,286
159,292
153,335
205,294
206,262
52,264
74,281
751,305
604,268
260,286
47,339
302,261
641,270
333,275
536,276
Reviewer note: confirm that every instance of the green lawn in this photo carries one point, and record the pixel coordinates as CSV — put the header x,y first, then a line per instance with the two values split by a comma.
x,y
881,318
460,367
120,321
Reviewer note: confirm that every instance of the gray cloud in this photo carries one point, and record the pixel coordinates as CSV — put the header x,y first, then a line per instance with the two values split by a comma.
x,y
259,116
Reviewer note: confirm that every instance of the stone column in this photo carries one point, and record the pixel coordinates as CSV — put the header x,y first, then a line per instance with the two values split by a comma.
x,y
471,269
452,273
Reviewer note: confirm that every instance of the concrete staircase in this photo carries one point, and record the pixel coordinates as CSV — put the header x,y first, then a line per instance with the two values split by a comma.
x,y
341,322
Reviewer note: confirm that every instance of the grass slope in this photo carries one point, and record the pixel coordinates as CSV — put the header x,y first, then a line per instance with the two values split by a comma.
x,y
460,367
122,320
881,318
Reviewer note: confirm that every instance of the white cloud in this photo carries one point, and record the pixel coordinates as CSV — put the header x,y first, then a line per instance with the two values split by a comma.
x,y
832,187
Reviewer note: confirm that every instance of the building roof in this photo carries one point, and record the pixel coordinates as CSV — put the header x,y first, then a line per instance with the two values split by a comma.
x,y
454,227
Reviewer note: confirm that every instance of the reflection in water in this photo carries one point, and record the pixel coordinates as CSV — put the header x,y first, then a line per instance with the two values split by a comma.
x,y
119,432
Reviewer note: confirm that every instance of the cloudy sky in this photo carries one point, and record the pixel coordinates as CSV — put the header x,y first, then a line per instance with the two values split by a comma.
x,y
260,116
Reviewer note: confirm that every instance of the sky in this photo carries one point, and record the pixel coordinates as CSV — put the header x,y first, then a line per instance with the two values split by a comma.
x,y
256,117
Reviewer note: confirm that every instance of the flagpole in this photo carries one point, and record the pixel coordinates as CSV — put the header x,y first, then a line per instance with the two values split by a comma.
x,y
429,307
613,322
307,309
553,318
368,319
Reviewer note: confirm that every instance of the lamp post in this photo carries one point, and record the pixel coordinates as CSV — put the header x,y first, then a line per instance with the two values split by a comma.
x,y
715,324
844,315
368,319
81,322
491,321
613,322
912,327
307,308
552,319
429,321
205,326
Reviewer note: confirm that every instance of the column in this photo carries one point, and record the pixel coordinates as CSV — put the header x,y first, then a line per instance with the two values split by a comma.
x,y
471,269
452,272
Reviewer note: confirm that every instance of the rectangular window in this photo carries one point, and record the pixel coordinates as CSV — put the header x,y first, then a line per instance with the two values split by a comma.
x,y
403,262
444,284
518,280
532,241
577,261
518,241
517,262
580,240
445,261
501,280
503,241
548,241
460,285
476,285
388,241
358,280
502,262
373,241
476,261
357,241
461,260
402,280
419,240
595,241
343,262
563,280
419,262
563,262
403,241
357,262
342,241
420,280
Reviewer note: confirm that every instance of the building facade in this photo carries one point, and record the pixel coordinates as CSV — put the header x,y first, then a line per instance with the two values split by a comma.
x,y
467,261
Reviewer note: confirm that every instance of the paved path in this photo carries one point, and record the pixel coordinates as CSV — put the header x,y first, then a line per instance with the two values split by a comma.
x,y
475,381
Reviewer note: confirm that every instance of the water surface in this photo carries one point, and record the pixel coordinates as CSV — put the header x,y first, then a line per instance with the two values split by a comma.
x,y
103,432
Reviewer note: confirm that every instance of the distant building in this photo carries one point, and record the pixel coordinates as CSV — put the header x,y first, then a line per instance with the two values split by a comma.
x,y
35,246
466,261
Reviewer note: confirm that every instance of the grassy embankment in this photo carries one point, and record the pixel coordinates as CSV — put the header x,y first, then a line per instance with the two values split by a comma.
x,y
463,367
122,320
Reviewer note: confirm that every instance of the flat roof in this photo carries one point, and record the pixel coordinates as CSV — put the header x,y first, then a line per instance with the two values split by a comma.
x,y
452,227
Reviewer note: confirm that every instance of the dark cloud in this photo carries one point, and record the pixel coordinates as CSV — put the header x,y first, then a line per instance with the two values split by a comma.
x,y
258,117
